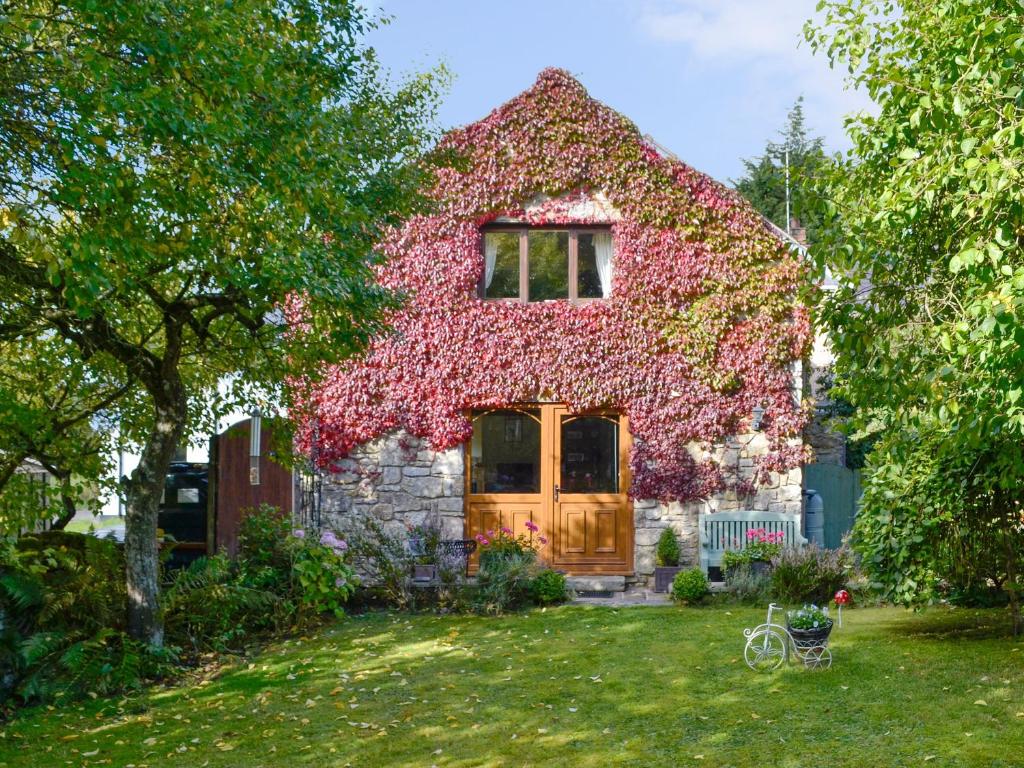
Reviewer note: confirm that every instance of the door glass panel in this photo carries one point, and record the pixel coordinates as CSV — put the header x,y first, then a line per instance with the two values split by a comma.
x,y
506,452
590,454
501,265
548,255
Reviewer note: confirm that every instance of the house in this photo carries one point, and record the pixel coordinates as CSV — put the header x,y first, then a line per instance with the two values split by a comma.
x,y
596,337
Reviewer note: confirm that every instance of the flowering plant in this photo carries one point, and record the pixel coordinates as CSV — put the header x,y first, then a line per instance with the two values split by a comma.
x,y
319,565
809,617
504,541
762,545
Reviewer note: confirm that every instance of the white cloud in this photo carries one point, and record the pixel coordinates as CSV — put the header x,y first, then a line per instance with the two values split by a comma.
x,y
764,38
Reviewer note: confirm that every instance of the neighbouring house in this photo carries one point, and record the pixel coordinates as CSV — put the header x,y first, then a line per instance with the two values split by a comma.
x,y
596,337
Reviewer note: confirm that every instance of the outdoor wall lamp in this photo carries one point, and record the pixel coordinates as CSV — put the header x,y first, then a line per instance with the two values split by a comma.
x,y
755,418
255,430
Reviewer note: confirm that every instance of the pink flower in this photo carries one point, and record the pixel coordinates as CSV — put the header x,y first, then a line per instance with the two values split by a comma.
x,y
542,539
298,533
506,531
490,534
532,526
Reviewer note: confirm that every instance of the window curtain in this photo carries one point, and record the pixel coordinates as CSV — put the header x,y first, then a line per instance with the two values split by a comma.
x,y
490,257
603,256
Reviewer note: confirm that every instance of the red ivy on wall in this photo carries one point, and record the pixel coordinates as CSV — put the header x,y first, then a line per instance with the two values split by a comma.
x,y
702,324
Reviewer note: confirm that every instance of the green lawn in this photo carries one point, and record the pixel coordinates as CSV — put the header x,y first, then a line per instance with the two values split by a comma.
x,y
573,687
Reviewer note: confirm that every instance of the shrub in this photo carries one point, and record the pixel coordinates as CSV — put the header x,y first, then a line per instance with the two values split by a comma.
x,y
667,553
746,586
209,606
504,580
382,557
548,587
733,559
62,613
281,577
263,554
690,586
324,580
810,574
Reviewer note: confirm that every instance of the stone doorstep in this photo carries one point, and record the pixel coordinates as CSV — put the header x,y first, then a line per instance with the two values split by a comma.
x,y
596,583
630,597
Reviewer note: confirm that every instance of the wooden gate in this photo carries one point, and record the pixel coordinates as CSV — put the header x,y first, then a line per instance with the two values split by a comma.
x,y
242,483
839,488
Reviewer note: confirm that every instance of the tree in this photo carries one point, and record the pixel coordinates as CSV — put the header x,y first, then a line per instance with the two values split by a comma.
x,y
55,422
178,176
764,180
927,320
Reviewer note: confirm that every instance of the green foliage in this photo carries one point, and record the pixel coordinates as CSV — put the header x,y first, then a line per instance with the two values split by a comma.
x,y
170,196
764,179
62,603
733,559
325,581
278,580
930,523
745,585
505,579
667,553
809,616
264,552
548,587
425,540
381,555
932,226
690,586
210,606
810,574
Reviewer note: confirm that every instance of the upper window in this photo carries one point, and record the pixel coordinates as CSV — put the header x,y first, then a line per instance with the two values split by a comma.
x,y
547,264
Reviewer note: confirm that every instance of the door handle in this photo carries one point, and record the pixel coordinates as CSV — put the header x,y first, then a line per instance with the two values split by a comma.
x,y
557,491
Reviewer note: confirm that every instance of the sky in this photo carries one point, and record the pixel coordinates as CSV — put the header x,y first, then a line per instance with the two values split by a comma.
x,y
710,80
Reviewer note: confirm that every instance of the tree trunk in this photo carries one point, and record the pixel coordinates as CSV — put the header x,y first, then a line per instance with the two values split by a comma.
x,y
67,500
143,491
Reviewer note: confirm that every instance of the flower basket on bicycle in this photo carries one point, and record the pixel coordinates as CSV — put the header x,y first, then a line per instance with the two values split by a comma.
x,y
810,638
804,639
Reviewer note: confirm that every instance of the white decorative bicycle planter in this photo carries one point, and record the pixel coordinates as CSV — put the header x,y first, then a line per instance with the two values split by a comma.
x,y
770,645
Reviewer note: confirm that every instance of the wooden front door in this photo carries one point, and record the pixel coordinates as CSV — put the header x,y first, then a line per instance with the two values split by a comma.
x,y
567,473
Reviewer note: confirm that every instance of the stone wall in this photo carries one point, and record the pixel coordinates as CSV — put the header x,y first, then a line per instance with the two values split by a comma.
x,y
782,494
401,481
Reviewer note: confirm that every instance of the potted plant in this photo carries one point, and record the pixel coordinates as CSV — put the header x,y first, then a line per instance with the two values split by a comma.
x,y
810,626
666,560
424,540
761,548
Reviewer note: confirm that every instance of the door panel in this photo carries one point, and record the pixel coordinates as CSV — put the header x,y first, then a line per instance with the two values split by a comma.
x,y
593,516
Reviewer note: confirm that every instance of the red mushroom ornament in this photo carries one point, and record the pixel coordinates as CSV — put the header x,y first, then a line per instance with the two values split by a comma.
x,y
842,597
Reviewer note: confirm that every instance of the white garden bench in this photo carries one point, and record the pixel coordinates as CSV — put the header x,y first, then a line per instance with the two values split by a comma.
x,y
722,532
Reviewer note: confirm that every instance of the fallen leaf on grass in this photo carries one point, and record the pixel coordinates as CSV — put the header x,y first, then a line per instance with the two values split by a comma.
x,y
981,703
